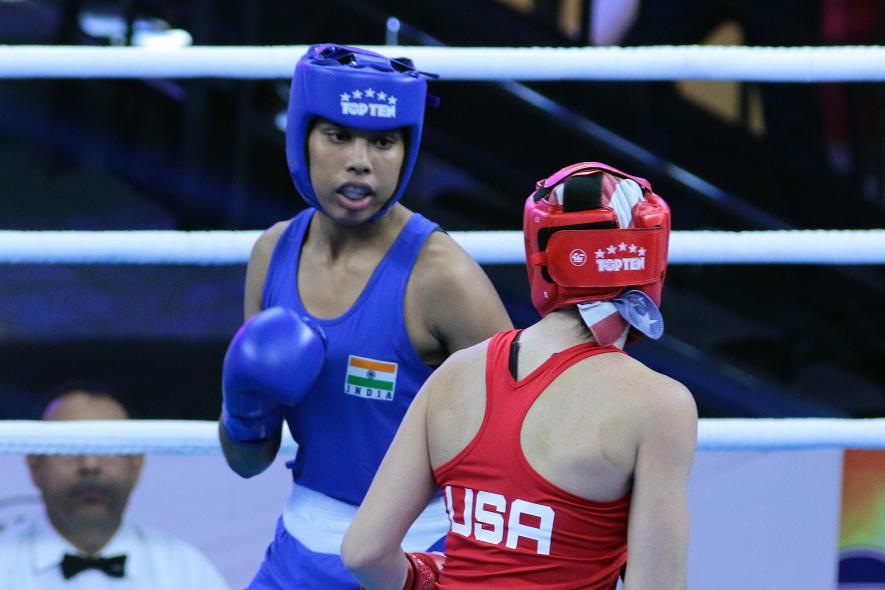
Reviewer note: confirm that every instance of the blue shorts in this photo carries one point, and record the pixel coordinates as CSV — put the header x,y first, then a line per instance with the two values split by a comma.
x,y
290,565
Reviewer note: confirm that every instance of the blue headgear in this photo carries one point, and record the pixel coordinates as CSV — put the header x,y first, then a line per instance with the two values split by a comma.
x,y
354,88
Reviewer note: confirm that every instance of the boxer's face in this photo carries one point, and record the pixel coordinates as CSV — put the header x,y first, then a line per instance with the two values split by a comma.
x,y
354,173
85,490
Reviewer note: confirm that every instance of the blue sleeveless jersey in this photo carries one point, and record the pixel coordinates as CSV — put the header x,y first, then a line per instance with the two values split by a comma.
x,y
371,374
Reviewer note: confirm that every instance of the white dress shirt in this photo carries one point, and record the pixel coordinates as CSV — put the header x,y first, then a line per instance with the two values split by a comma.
x,y
31,554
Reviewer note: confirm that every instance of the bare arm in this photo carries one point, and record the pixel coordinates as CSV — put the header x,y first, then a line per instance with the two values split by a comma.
x,y
402,487
256,271
457,298
249,460
657,539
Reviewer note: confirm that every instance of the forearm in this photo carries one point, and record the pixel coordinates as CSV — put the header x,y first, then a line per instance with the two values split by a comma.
x,y
658,556
672,580
661,578
377,570
248,460
402,488
658,529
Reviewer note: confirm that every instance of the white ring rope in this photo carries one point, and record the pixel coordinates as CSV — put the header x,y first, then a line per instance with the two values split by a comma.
x,y
487,247
181,437
762,64
698,62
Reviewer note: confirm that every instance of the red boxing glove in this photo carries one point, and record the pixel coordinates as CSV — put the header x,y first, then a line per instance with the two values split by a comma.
x,y
424,570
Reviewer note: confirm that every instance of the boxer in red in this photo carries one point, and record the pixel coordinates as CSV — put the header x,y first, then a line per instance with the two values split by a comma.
x,y
556,452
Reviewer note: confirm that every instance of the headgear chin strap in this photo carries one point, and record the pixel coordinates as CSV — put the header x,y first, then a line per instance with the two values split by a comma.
x,y
598,237
354,88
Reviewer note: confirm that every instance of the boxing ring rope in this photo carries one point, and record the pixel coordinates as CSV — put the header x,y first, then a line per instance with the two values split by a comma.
x,y
487,247
774,64
697,62
759,64
192,437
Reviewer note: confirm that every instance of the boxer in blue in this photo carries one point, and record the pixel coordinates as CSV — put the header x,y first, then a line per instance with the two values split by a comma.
x,y
349,307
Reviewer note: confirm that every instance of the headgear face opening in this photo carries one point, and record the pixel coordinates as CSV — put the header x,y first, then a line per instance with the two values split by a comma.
x,y
592,231
354,88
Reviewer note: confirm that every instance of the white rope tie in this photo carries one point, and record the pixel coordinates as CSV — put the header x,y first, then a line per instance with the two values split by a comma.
x,y
697,62
487,247
182,437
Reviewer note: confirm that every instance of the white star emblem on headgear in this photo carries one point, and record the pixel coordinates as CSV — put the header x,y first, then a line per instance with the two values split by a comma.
x,y
644,320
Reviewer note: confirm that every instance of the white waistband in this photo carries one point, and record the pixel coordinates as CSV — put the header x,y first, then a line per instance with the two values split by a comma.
x,y
319,522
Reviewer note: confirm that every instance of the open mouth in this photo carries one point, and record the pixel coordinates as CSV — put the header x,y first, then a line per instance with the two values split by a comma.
x,y
355,196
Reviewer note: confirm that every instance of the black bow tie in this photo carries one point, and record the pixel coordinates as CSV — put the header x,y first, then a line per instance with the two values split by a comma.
x,y
72,565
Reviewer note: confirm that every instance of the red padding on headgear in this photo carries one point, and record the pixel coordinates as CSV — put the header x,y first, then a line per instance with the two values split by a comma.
x,y
568,253
606,257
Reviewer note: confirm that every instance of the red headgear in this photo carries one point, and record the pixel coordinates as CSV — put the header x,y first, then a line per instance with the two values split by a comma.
x,y
591,231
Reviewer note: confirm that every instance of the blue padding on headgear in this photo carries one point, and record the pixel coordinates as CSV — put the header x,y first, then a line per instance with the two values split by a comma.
x,y
354,88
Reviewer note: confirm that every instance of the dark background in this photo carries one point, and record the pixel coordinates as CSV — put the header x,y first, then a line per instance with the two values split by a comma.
x,y
207,154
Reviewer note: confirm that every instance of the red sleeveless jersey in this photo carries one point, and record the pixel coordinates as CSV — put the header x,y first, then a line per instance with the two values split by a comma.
x,y
510,527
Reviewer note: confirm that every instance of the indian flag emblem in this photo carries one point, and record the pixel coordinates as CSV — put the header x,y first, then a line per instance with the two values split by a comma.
x,y
370,379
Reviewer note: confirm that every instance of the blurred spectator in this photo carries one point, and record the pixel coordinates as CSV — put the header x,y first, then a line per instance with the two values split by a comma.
x,y
793,120
610,20
853,112
82,540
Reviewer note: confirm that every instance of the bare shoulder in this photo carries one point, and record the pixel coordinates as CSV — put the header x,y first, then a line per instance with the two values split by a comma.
x,y
444,262
264,246
458,374
453,294
259,261
455,402
669,415
655,397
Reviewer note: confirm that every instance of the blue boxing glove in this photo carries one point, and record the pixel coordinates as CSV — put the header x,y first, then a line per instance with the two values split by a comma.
x,y
272,362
